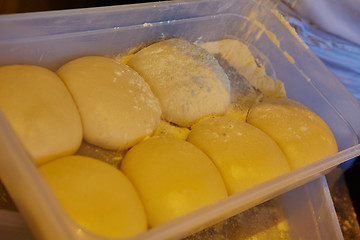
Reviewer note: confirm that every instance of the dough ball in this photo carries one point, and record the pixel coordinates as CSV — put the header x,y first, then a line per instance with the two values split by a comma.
x,y
239,57
244,155
188,81
96,195
41,111
302,135
172,177
116,105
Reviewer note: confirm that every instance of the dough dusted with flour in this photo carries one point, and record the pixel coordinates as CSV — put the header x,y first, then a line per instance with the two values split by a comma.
x,y
187,80
41,111
116,105
239,57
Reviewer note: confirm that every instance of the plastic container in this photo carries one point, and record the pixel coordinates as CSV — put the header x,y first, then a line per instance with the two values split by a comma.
x,y
50,39
308,211
13,227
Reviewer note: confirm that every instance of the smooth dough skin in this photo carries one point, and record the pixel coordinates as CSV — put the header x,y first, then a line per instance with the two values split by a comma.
x,y
302,135
96,196
244,155
41,111
116,105
172,177
188,81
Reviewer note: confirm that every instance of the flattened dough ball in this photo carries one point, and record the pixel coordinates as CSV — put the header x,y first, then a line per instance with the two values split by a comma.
x,y
188,81
302,135
172,177
96,196
116,105
41,111
239,56
244,155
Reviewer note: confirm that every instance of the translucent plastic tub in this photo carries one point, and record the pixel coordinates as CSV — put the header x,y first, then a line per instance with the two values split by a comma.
x,y
50,39
307,210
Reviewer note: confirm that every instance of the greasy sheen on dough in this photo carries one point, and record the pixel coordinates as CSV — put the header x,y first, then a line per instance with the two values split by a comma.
x,y
302,135
96,195
172,177
41,111
116,105
244,155
188,81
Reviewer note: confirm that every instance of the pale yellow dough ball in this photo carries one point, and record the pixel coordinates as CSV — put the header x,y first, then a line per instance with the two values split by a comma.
x,y
173,178
116,105
40,109
96,195
239,56
244,155
188,81
302,135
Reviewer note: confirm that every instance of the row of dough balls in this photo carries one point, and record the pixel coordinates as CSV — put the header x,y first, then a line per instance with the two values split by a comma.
x,y
163,178
115,105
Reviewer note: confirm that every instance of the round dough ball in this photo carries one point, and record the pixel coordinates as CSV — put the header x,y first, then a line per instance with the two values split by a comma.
x,y
40,109
96,196
116,105
302,135
172,177
188,81
244,155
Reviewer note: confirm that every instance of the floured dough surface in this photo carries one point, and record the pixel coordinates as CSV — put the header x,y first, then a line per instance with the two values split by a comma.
x,y
116,105
302,135
244,155
188,81
41,111
96,195
173,178
239,56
